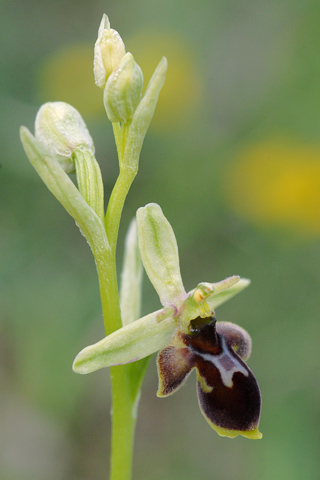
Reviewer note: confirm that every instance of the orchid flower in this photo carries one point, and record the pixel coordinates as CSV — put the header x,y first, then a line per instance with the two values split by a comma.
x,y
187,335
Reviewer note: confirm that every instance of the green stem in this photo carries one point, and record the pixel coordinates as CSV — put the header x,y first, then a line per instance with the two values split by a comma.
x,y
123,424
123,417
115,205
123,404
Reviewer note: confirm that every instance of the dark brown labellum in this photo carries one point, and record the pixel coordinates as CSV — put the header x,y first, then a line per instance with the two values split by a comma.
x,y
228,392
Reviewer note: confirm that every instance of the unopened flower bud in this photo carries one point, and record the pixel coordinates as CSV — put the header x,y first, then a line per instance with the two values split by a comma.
x,y
108,52
59,131
123,90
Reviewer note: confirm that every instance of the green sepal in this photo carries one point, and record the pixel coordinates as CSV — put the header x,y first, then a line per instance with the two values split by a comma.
x,y
137,340
159,254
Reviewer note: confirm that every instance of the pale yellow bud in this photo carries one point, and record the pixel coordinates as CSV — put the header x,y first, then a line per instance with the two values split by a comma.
x,y
108,52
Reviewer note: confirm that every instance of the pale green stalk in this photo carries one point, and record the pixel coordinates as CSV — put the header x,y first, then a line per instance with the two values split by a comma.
x,y
123,404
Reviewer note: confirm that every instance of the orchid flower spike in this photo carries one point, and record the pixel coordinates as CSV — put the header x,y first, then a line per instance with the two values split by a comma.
x,y
188,336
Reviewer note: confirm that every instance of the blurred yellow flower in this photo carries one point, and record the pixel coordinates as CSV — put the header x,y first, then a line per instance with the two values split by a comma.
x,y
278,183
182,89
67,76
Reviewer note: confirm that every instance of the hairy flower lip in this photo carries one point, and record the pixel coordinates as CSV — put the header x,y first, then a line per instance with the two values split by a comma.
x,y
228,393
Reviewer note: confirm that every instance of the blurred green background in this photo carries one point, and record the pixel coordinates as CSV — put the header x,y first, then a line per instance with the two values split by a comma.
x,y
233,158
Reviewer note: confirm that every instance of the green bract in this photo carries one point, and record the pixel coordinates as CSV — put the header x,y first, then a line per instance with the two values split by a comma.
x,y
131,278
130,137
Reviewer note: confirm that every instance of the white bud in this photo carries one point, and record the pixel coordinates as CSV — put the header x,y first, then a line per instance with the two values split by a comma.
x,y
108,52
60,130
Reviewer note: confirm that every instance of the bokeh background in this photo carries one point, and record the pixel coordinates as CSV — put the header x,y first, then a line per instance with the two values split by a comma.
x,y
233,157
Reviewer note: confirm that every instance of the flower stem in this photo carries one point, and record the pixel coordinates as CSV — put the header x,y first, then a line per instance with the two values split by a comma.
x,y
123,418
123,403
115,205
123,424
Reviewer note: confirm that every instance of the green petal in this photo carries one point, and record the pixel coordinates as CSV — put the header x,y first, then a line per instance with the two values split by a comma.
x,y
217,299
128,344
159,254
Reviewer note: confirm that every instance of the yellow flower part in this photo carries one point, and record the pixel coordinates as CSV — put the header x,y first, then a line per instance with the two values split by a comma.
x,y
67,76
278,183
183,86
